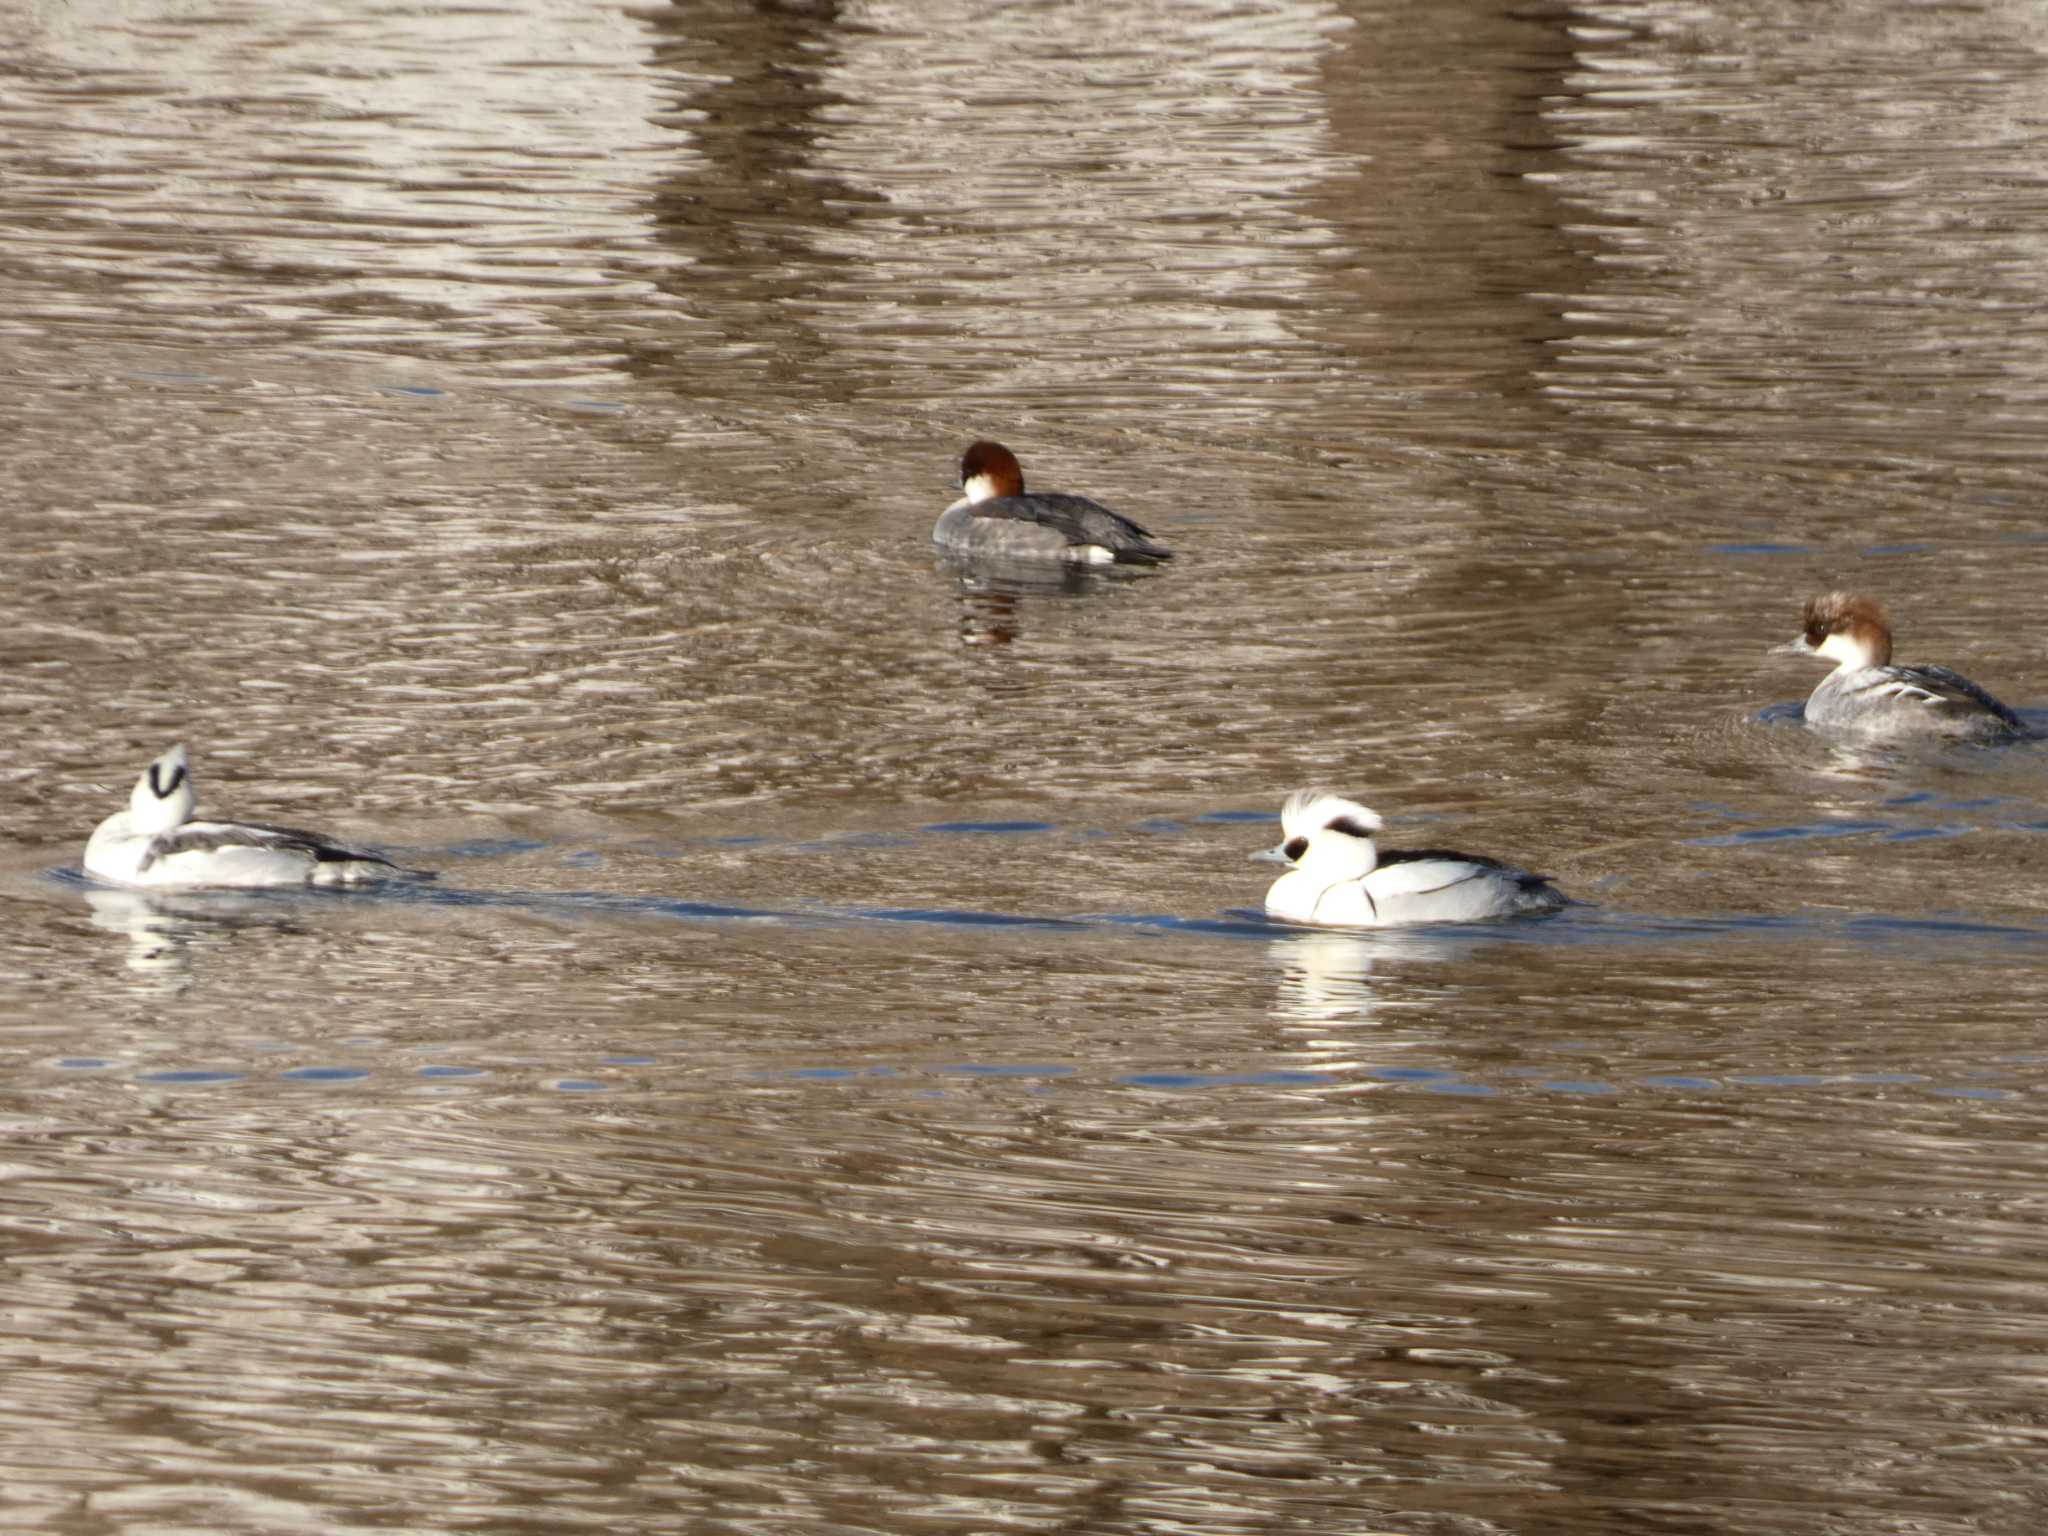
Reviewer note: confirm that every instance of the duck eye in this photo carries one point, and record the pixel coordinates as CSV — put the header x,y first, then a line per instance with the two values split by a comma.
x,y
1295,848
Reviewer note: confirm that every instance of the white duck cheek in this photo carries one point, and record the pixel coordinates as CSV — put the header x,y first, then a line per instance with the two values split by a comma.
x,y
1842,649
1331,858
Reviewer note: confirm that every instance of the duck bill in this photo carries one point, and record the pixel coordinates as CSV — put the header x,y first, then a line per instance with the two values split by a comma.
x,y
1796,646
1274,855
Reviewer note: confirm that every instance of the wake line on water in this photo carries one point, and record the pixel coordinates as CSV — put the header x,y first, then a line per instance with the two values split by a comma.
x,y
1581,924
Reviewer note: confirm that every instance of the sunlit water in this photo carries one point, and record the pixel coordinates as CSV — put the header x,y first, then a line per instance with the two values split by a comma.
x,y
840,1079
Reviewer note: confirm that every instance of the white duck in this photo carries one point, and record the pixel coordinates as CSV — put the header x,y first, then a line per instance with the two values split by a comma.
x,y
1339,876
156,843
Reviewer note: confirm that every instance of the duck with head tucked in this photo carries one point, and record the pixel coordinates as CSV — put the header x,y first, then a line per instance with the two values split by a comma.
x,y
157,842
995,518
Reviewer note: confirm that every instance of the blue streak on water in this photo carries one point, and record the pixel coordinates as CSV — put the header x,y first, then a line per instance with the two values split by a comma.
x,y
1779,1079
847,840
1581,924
967,919
1876,927
1273,1079
996,827
187,1075
1236,923
486,848
83,1063
1788,834
1973,1086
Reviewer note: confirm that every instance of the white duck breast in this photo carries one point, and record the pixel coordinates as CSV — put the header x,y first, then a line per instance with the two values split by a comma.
x,y
995,518
157,843
1340,877
1867,694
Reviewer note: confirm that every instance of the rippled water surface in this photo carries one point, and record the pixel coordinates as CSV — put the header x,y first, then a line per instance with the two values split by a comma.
x,y
840,1080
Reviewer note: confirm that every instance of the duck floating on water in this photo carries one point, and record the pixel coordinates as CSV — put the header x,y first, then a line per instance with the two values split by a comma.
x,y
1339,876
157,843
1869,695
994,517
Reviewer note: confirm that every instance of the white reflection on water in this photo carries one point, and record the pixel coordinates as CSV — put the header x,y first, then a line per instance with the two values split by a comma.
x,y
163,928
385,211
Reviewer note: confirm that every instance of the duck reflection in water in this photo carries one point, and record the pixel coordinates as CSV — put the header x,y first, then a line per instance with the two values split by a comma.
x,y
1326,978
994,594
164,928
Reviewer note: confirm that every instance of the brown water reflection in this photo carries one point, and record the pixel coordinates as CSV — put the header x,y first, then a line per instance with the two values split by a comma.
x,y
838,1082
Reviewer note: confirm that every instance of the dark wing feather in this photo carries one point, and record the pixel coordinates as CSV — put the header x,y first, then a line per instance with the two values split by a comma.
x,y
1080,520
1941,686
200,836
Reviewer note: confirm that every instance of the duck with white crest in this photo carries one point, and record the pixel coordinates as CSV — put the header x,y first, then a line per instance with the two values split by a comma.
x,y
158,843
1870,695
1339,876
995,518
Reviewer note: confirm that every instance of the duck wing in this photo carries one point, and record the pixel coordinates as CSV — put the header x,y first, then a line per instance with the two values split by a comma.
x,y
206,836
1419,871
1081,521
1939,688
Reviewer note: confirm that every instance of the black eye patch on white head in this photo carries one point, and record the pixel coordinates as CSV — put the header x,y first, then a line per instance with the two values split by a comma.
x,y
1294,848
